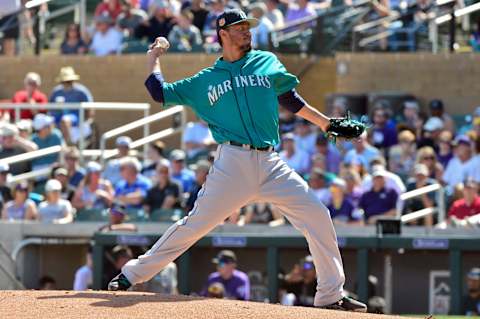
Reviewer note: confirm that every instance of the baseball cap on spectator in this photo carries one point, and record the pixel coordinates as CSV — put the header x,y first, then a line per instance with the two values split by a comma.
x,y
25,125
67,74
201,165
474,273
104,18
411,104
60,171
379,171
22,186
118,210
32,78
307,263
177,155
470,183
462,139
339,182
93,167
433,124
8,130
421,169
4,167
131,162
41,121
436,105
159,4
53,186
225,256
123,141
288,137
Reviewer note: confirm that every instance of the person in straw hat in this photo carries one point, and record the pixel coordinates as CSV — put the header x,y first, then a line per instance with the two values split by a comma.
x,y
70,91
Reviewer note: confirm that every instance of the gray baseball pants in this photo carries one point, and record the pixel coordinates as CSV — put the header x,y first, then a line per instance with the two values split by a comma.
x,y
237,177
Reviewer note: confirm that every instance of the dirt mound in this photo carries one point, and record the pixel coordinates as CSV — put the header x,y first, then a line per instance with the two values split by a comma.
x,y
102,304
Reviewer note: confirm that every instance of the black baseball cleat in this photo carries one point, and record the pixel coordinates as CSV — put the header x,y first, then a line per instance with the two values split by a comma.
x,y
347,304
119,283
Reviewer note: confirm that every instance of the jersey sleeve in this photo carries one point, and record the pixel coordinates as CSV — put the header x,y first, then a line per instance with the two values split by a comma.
x,y
181,92
283,81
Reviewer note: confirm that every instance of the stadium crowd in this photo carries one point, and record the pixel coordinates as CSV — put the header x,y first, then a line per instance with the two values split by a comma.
x,y
359,181
126,26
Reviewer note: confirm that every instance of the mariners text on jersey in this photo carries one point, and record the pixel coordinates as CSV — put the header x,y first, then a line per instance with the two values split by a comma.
x,y
216,91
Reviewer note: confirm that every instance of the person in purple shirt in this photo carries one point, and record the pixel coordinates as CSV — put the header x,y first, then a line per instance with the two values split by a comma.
x,y
383,134
379,201
235,282
341,209
301,10
133,187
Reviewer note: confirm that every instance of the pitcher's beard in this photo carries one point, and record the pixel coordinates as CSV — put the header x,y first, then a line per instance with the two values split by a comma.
x,y
246,48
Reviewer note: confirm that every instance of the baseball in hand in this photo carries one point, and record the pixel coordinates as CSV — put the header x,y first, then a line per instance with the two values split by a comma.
x,y
162,43
158,47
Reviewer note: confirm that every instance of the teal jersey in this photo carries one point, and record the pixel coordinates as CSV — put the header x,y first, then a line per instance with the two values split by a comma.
x,y
237,99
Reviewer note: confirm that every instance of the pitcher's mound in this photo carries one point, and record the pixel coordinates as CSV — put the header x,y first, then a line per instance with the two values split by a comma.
x,y
117,305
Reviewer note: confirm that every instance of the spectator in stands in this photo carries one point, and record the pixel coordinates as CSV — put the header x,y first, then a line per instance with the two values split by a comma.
x,y
457,169
165,282
274,14
132,189
61,174
201,171
93,191
301,281
20,207
392,180
45,136
341,209
70,91
437,110
179,173
426,155
119,256
467,206
75,172
287,120
106,39
409,116
199,12
30,94
331,153
401,157
13,144
165,194
10,26
185,37
362,152
305,138
421,179
47,283
112,8
380,201
155,152
73,42
445,150
260,34
295,157
473,170
83,279
383,135
130,18
117,215
160,23
261,213
471,302
319,185
216,290
431,132
299,10
25,129
475,39
5,191
217,7
197,138
236,282
55,209
353,190
112,170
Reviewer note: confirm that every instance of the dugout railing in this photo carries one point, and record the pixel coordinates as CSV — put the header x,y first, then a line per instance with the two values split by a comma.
x,y
363,243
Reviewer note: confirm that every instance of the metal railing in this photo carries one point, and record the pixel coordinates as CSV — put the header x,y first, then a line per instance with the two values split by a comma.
x,y
81,107
439,209
145,122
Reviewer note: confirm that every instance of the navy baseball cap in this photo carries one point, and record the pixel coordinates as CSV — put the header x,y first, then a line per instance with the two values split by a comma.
x,y
231,17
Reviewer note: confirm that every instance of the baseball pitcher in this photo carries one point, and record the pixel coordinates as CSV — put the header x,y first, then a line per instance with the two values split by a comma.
x,y
238,97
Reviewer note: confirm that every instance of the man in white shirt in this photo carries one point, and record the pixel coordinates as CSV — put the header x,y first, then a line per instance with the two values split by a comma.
x,y
458,167
197,137
274,14
362,152
261,32
106,39
84,275
305,139
297,159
